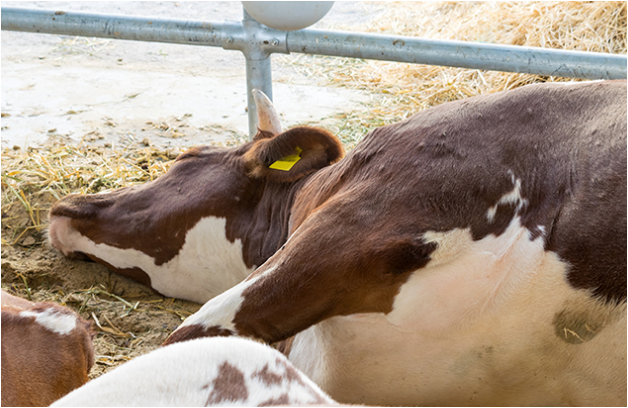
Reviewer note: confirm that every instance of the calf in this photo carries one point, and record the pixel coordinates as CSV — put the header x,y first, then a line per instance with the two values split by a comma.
x,y
474,254
47,352
203,372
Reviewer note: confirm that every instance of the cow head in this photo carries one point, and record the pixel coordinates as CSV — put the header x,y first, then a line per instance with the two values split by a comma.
x,y
203,226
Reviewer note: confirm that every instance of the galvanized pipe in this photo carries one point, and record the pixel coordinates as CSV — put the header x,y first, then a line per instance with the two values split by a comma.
x,y
529,60
257,42
230,35
233,35
258,68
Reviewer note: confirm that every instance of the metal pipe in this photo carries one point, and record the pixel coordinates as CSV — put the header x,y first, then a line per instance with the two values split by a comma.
x,y
232,35
530,60
258,69
257,42
121,27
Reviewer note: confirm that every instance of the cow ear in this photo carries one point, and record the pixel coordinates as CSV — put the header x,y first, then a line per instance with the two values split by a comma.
x,y
293,154
268,122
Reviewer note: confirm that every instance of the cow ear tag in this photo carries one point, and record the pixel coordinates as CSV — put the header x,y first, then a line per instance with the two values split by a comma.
x,y
286,163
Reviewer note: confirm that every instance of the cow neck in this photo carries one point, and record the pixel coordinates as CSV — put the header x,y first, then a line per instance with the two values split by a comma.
x,y
269,226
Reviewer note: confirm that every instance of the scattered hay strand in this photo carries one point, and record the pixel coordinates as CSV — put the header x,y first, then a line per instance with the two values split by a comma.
x,y
37,177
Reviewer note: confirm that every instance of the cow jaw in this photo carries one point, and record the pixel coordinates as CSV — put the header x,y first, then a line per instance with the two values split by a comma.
x,y
207,258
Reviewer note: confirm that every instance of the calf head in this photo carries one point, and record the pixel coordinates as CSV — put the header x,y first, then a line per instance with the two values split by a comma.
x,y
203,226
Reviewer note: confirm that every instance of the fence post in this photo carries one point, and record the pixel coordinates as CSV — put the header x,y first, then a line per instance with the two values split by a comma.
x,y
258,71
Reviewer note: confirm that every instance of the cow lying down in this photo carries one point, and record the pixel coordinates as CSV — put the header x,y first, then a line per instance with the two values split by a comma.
x,y
204,372
473,254
47,352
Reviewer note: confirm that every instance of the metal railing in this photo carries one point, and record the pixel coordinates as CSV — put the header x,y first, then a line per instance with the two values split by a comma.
x,y
257,42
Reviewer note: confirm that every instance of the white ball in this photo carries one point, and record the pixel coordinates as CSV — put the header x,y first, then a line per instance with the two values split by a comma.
x,y
287,15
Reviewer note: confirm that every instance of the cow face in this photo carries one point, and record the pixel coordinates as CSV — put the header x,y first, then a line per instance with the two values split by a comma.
x,y
204,225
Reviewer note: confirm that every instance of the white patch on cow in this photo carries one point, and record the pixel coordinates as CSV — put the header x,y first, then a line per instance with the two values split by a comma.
x,y
567,83
53,320
512,197
475,326
207,264
221,371
476,276
221,310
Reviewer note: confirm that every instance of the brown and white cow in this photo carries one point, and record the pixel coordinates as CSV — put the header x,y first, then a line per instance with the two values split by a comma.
x,y
474,254
47,352
222,371
202,227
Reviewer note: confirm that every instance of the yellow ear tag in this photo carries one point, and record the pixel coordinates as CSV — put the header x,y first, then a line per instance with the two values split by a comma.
x,y
286,163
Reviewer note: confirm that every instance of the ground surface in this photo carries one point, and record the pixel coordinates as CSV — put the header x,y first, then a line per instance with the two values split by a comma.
x,y
112,94
74,86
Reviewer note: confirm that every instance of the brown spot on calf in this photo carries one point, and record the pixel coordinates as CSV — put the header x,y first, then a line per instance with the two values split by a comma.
x,y
229,385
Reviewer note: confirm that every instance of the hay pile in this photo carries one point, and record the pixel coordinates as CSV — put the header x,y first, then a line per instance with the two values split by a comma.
x,y
403,89
33,179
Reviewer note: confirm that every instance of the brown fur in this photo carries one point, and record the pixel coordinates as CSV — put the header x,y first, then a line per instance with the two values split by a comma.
x,y
205,181
357,226
40,366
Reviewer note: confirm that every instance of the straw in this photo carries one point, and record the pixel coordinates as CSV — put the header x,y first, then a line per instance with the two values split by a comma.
x,y
399,90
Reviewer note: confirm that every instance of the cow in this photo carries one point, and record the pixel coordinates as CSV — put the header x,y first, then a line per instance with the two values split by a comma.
x,y
473,254
220,371
47,352
202,227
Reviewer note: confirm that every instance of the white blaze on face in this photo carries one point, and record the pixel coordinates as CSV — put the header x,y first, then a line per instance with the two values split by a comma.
x,y
207,264
53,320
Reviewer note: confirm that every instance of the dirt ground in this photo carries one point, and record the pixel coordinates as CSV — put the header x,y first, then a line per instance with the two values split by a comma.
x,y
115,90
111,94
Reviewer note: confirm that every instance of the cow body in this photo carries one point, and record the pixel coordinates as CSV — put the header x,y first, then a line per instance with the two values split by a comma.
x,y
47,352
474,254
199,373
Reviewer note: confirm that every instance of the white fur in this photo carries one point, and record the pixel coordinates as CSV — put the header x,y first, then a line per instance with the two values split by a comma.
x,y
512,197
183,374
207,265
53,320
474,327
223,308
